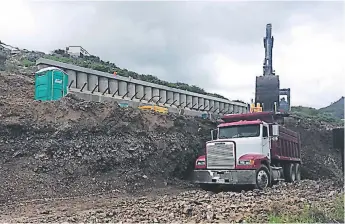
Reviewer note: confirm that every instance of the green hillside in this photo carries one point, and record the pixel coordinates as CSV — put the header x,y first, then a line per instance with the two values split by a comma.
x,y
315,114
336,108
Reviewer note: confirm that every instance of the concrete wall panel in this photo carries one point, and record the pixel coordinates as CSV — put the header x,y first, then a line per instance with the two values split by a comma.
x,y
216,107
206,105
170,97
72,76
92,82
236,109
189,101
195,103
211,105
131,90
221,107
140,90
201,103
155,95
176,99
183,100
122,88
103,84
231,109
148,93
163,95
113,86
81,80
226,108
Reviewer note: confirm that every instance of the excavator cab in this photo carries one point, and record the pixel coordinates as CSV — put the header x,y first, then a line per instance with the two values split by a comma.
x,y
284,101
283,105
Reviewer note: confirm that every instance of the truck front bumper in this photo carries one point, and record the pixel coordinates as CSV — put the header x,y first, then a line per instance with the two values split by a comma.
x,y
225,177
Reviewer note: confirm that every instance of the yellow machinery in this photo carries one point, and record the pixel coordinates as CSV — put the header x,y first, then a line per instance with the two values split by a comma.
x,y
256,108
155,108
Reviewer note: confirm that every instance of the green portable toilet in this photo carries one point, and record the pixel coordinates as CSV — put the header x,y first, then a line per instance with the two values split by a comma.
x,y
204,116
50,84
123,105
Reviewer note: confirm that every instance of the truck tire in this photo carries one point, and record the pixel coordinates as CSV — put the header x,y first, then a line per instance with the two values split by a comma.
x,y
263,178
298,172
289,172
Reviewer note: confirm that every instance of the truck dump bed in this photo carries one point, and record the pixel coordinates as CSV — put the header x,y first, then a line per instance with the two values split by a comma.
x,y
288,145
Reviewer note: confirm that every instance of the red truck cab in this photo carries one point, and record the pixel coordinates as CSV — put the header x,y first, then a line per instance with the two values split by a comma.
x,y
249,149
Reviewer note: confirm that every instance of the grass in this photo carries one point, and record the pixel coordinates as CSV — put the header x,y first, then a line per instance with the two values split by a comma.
x,y
27,63
311,214
315,115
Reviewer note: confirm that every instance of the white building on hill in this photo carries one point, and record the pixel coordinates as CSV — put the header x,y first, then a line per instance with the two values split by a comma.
x,y
77,51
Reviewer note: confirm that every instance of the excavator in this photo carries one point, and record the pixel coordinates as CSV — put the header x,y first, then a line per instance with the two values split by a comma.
x,y
268,94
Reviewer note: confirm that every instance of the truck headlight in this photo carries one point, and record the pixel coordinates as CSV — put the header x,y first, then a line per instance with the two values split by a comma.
x,y
246,162
200,163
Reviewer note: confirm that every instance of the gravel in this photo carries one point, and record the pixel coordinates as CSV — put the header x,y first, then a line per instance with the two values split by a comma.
x,y
186,206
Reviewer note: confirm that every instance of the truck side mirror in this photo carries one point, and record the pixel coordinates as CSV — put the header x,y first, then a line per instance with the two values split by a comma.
x,y
214,134
275,130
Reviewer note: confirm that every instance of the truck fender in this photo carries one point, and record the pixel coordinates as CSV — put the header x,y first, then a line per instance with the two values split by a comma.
x,y
200,166
257,159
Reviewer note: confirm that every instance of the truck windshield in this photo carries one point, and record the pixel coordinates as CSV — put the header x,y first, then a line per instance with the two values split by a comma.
x,y
239,131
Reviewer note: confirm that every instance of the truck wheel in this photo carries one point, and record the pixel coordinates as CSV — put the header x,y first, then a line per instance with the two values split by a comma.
x,y
263,177
289,172
298,171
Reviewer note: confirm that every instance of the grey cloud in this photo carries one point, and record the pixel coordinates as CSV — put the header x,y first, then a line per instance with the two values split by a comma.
x,y
171,37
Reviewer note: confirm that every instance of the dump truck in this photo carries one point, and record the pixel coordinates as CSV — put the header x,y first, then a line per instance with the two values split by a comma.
x,y
250,149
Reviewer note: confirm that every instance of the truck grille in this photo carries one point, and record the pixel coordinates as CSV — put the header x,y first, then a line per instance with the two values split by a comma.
x,y
220,155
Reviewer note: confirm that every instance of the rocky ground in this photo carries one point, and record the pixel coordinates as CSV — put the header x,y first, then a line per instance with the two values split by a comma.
x,y
57,154
183,206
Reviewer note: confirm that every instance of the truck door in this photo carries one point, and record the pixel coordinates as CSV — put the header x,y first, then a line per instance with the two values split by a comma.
x,y
266,144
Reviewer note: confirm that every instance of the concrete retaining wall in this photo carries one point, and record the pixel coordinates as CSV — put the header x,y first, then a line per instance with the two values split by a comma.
x,y
105,86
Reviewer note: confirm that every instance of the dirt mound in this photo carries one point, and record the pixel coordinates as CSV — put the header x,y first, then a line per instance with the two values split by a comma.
x,y
76,147
320,161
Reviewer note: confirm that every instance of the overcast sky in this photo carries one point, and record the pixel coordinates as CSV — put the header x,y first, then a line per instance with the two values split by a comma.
x,y
215,45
